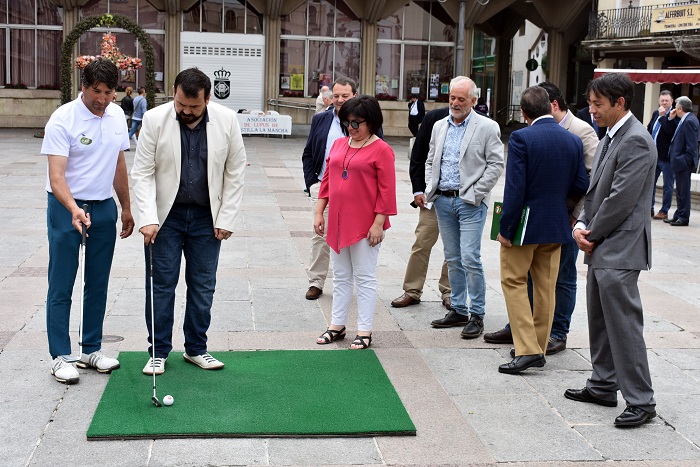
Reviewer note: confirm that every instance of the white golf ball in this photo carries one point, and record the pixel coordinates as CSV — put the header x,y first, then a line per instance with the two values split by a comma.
x,y
168,400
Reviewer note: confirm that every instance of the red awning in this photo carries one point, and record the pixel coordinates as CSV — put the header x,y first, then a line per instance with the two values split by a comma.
x,y
691,76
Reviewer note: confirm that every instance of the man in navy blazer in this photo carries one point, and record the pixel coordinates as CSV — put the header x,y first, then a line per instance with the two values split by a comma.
x,y
683,155
325,129
545,166
661,129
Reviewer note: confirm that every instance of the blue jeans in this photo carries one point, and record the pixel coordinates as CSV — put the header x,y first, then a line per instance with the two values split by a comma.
x,y
669,176
135,125
64,252
187,230
461,226
565,292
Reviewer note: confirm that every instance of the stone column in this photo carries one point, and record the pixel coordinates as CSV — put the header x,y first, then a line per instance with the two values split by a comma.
x,y
557,58
368,58
467,53
652,90
273,28
172,50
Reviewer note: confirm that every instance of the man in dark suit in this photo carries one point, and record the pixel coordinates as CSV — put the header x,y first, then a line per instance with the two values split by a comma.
x,y
545,167
683,156
614,232
325,129
661,129
416,112
427,229
584,114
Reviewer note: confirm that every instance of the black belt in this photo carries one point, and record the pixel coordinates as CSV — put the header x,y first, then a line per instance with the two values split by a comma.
x,y
448,193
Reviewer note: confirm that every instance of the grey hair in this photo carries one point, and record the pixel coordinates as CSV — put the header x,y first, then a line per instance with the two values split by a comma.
x,y
472,85
685,103
328,94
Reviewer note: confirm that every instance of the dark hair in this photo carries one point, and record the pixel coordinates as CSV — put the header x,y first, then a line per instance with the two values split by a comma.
x,y
666,92
191,81
612,86
554,94
364,107
100,71
535,102
345,82
141,90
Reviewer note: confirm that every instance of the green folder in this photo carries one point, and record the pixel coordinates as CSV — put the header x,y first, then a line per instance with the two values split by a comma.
x,y
519,232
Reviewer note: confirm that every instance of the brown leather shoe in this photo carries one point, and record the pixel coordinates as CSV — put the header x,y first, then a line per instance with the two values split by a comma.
x,y
447,302
502,336
404,301
555,345
313,293
661,215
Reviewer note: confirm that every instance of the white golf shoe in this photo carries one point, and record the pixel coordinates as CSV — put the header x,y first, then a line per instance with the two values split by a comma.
x,y
204,361
158,363
98,361
64,372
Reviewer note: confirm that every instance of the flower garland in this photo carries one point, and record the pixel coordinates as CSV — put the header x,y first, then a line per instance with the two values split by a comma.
x,y
121,21
110,52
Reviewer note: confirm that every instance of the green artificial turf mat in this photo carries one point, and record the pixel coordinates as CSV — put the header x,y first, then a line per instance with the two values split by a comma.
x,y
260,393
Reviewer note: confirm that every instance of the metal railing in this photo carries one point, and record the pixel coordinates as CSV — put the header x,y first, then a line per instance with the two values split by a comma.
x,y
627,22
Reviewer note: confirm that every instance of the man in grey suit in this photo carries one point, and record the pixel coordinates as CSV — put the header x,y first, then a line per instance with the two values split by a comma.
x,y
614,232
464,163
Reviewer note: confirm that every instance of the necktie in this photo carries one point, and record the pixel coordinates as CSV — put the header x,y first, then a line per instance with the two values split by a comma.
x,y
606,144
655,131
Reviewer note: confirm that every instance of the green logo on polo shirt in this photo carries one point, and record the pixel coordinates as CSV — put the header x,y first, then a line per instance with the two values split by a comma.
x,y
85,140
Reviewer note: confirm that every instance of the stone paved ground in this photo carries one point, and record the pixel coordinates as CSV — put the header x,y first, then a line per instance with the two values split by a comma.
x,y
464,410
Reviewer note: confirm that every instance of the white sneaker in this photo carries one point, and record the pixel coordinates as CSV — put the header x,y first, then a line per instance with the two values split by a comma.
x,y
159,364
204,361
99,361
64,371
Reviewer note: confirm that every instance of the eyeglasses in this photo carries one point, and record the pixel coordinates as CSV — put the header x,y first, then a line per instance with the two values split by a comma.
x,y
353,123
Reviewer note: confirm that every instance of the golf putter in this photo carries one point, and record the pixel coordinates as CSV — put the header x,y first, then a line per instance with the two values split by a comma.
x,y
83,242
155,400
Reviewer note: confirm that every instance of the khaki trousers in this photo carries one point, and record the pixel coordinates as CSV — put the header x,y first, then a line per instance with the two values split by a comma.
x,y
530,329
319,259
417,268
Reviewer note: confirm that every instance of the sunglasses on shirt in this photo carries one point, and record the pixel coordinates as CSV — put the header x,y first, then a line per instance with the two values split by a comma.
x,y
353,123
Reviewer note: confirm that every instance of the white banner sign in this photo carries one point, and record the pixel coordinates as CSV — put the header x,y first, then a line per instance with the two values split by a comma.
x,y
265,124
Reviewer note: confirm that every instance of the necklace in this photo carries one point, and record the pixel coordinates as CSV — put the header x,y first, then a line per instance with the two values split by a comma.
x,y
344,175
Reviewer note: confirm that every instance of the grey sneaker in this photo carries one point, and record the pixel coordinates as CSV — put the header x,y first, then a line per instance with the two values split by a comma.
x,y
204,361
64,372
159,363
98,361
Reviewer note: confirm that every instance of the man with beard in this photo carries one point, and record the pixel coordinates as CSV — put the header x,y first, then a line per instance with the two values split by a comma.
x,y
188,185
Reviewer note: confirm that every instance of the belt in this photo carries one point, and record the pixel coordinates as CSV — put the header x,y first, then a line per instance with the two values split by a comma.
x,y
448,193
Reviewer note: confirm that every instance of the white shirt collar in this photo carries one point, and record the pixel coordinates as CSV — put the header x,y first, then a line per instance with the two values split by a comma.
x,y
612,130
541,118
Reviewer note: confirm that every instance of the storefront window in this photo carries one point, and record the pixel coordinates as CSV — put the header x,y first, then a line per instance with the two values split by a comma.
x,y
149,17
128,8
415,69
52,16
94,8
22,12
417,17
227,16
388,71
441,72
3,57
48,61
391,27
483,69
336,55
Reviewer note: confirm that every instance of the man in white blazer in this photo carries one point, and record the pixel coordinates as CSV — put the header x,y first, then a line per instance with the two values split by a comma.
x,y
188,184
464,163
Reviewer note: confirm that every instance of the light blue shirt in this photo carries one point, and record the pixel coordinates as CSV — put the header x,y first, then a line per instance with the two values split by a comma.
x,y
449,165
334,132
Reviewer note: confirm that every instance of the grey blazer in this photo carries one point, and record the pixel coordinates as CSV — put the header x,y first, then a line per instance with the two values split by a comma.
x,y
616,207
480,163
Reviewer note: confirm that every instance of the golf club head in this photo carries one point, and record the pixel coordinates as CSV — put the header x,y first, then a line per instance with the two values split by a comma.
x,y
156,402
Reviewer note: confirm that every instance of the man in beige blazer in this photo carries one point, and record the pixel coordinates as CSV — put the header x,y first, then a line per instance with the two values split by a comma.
x,y
464,163
188,184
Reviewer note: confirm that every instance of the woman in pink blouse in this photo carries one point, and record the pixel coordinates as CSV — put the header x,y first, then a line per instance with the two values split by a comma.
x,y
359,187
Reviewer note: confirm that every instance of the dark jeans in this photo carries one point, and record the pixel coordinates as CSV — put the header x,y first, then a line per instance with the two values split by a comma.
x,y
565,292
683,195
64,253
664,167
188,230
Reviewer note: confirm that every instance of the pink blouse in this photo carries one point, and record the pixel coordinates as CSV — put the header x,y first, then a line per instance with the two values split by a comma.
x,y
369,189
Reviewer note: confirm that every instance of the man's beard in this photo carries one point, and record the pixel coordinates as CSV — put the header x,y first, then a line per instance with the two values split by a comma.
x,y
188,118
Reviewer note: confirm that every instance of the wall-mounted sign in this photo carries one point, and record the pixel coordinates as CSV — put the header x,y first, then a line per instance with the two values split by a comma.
x,y
531,64
222,84
676,18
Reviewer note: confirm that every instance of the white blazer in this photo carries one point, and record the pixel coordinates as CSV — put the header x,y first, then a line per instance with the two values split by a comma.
x,y
157,164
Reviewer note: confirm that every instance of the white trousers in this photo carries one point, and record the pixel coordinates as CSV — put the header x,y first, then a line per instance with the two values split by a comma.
x,y
355,264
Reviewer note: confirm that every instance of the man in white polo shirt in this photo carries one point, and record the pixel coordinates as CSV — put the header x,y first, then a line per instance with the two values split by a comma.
x,y
84,142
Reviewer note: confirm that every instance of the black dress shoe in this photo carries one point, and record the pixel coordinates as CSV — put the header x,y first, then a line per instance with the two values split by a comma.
x,y
521,363
451,319
634,416
678,223
668,220
583,395
555,345
474,327
502,336
512,353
